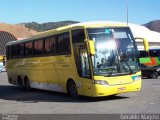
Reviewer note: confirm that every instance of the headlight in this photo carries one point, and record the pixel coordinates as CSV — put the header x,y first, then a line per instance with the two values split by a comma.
x,y
135,78
101,82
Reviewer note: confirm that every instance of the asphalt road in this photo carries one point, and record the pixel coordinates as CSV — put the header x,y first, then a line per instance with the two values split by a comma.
x,y
14,100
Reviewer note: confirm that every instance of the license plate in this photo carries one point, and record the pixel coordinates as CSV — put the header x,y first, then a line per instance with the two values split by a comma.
x,y
122,88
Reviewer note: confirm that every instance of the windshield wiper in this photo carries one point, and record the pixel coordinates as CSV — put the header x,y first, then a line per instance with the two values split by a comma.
x,y
130,69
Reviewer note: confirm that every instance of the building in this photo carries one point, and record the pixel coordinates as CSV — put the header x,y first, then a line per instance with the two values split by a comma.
x,y
139,31
152,37
5,37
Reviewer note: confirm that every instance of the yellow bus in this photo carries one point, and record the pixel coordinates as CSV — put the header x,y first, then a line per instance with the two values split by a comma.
x,y
91,59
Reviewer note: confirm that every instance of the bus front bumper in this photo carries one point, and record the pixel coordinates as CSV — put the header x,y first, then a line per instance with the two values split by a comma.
x,y
106,90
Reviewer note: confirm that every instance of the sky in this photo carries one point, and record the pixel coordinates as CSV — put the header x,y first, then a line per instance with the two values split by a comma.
x,y
19,11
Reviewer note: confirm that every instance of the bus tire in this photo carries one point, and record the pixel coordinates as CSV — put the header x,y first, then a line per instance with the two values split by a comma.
x,y
154,75
20,83
72,89
27,84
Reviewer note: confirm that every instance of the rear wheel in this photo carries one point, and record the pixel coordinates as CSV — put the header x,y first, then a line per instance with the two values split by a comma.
x,y
154,75
27,84
20,83
72,89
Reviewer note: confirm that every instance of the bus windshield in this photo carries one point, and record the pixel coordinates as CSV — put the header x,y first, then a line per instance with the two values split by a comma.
x,y
115,51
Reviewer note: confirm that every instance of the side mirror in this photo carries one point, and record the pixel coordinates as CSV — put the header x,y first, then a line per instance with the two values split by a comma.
x,y
91,47
145,43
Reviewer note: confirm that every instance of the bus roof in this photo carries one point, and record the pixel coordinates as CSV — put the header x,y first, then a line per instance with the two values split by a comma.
x,y
93,24
100,24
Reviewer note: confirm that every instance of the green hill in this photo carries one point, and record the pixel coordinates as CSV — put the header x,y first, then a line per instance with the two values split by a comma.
x,y
153,25
47,26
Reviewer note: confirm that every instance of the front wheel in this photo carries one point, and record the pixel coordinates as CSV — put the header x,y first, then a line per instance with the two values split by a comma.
x,y
72,89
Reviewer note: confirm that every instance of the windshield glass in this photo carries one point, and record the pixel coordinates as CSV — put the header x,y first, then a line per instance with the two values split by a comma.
x,y
115,51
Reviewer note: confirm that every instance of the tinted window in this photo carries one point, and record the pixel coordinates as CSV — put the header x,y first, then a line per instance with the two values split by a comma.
x,y
154,53
28,49
50,45
143,54
66,41
38,47
8,52
60,44
53,45
20,50
63,43
78,36
47,46
14,51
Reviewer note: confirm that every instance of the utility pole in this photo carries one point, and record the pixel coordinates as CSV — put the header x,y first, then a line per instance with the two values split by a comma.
x,y
127,10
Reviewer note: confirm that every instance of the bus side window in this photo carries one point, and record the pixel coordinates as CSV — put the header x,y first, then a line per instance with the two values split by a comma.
x,y
20,51
50,45
38,47
143,54
8,52
47,45
64,43
153,53
14,51
28,49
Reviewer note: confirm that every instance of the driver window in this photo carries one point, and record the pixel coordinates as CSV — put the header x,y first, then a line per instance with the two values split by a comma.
x,y
80,53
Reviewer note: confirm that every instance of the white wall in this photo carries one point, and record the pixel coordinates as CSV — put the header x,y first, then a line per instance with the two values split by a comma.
x,y
152,37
